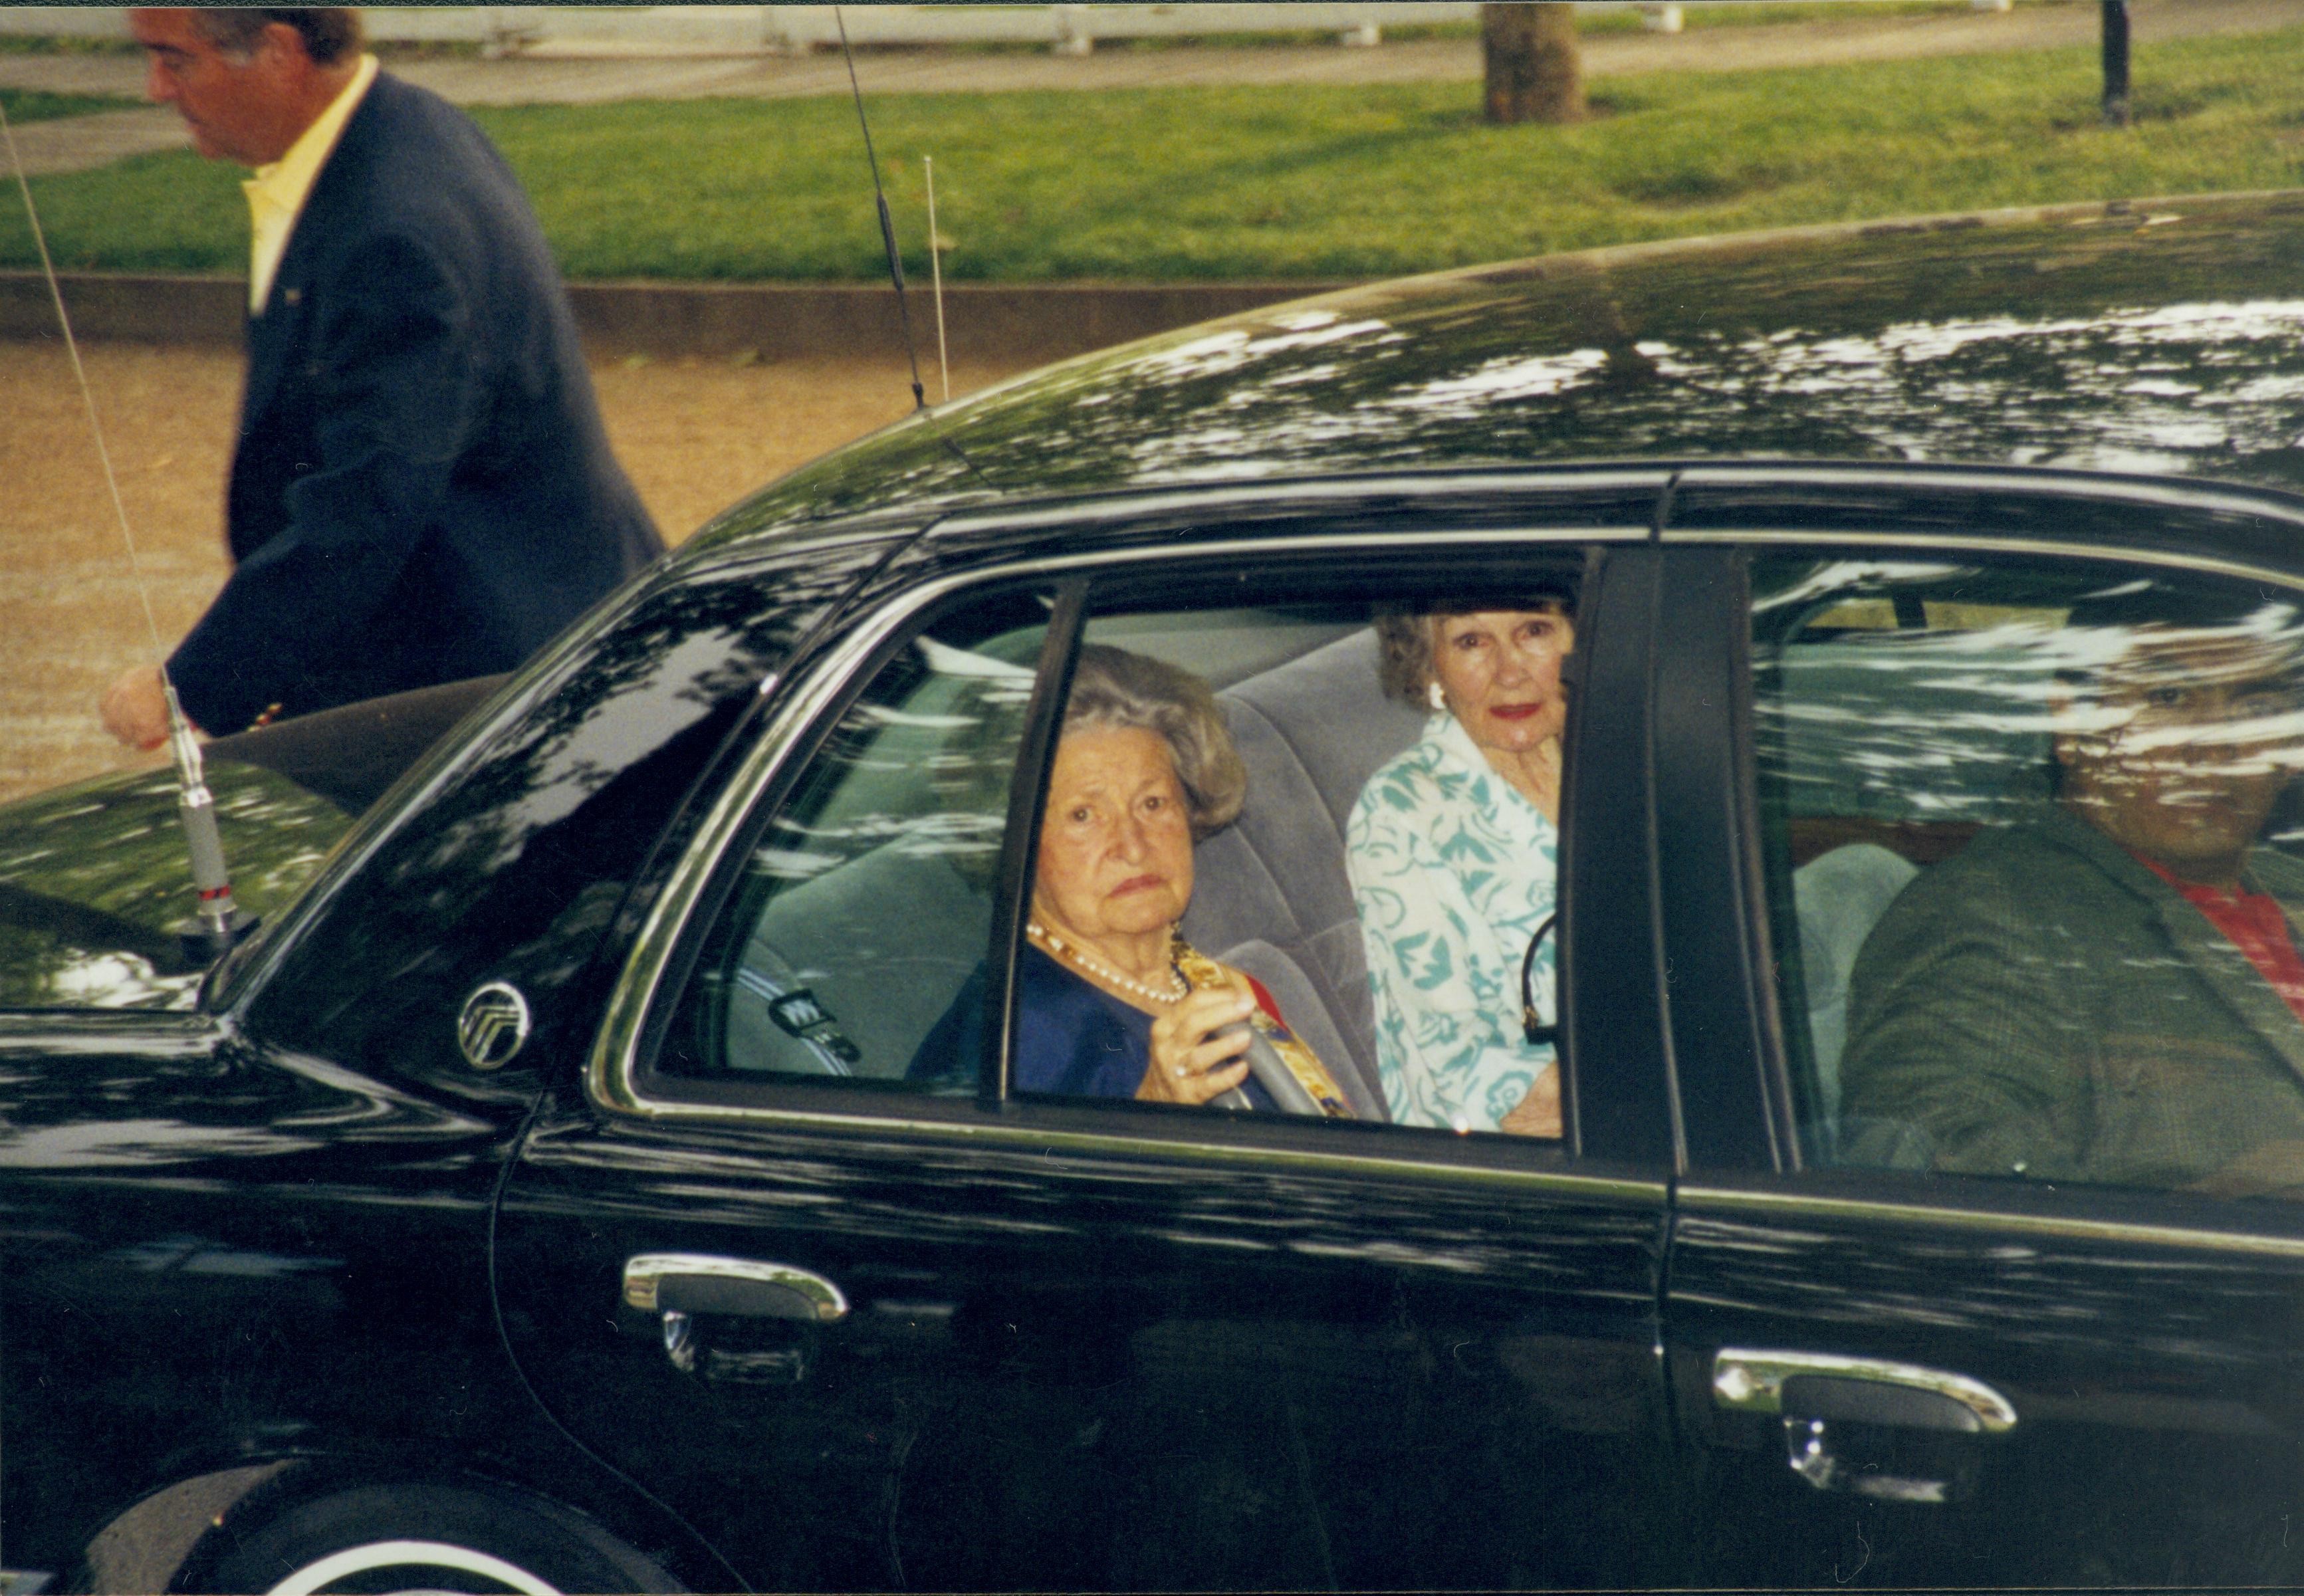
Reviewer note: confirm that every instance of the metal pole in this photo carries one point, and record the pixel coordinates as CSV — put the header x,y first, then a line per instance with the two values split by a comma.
x,y
2115,63
936,264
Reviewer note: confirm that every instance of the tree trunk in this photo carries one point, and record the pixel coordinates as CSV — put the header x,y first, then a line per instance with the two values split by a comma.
x,y
1529,55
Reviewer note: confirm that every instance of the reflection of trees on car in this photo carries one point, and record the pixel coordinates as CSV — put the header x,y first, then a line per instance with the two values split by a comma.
x,y
516,871
94,925
1891,341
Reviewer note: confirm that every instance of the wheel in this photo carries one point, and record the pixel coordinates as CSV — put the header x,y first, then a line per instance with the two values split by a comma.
x,y
413,1538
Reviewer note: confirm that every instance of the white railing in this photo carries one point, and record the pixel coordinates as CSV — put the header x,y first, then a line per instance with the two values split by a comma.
x,y
755,30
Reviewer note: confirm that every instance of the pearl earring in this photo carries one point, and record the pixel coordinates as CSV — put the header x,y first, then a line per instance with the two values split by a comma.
x,y
1439,699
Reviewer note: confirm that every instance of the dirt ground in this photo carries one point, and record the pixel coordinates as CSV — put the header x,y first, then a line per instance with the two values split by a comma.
x,y
695,436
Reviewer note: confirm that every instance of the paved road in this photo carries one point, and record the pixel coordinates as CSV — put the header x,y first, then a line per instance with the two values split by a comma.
x,y
75,143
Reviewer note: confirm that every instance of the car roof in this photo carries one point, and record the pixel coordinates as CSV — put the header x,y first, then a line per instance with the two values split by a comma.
x,y
2163,337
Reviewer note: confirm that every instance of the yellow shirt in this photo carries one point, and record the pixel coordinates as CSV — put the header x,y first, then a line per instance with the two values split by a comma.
x,y
277,193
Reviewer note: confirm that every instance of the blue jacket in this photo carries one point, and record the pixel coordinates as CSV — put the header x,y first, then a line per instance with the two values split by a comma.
x,y
1072,1037
422,490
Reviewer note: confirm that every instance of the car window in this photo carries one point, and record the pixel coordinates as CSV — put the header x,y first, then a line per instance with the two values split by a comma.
x,y
1257,819
2032,837
865,904
512,871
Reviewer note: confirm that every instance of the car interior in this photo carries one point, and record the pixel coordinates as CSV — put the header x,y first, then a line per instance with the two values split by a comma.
x,y
869,911
847,968
1899,709
1271,897
1890,727
1899,712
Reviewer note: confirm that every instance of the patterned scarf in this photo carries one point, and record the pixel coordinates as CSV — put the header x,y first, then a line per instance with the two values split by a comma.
x,y
1201,971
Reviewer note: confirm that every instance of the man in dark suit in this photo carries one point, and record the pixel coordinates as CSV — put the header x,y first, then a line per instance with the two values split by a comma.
x,y
2113,993
422,490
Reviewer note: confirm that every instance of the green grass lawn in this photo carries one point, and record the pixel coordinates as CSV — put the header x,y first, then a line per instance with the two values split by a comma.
x,y
1185,184
36,105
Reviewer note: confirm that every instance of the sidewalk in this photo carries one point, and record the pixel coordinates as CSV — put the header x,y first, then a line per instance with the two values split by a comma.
x,y
72,144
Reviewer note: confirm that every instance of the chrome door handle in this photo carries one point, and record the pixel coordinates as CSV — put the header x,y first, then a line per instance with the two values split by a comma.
x,y
677,1287
741,1288
1878,1402
1753,1382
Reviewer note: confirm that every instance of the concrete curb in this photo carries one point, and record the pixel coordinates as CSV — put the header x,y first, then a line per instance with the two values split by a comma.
x,y
779,321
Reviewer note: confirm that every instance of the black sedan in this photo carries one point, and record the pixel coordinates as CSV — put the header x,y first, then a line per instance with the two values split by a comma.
x,y
589,1176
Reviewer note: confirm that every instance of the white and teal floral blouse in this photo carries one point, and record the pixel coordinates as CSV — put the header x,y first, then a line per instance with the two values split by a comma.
x,y
1452,871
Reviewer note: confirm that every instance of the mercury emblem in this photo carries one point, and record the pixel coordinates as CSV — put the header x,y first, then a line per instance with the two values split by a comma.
x,y
492,1026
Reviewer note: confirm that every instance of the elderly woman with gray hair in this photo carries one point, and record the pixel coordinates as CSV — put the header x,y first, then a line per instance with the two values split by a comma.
x,y
1453,850
1111,1000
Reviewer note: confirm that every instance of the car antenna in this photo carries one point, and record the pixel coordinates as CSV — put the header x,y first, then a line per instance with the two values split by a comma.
x,y
936,268
217,922
887,223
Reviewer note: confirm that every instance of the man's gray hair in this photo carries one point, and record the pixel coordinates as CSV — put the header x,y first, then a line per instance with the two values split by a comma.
x,y
331,33
1115,690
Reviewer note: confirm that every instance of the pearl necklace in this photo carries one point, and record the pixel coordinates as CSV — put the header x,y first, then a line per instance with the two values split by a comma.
x,y
1179,988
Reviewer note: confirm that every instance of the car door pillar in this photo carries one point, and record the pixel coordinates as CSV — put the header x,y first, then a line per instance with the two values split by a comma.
x,y
1612,975
1711,920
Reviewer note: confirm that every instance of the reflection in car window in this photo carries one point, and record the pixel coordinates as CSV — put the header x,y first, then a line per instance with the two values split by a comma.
x,y
515,868
867,900
2031,848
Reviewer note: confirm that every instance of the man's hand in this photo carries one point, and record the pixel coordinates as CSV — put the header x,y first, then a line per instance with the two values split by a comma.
x,y
136,707
2269,1169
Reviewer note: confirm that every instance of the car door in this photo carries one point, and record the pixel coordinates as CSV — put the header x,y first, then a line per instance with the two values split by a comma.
x,y
864,1322
1921,1327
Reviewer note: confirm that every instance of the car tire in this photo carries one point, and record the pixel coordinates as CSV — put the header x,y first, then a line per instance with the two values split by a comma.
x,y
394,1537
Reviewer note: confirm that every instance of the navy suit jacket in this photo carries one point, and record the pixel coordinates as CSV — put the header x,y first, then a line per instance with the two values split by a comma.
x,y
422,490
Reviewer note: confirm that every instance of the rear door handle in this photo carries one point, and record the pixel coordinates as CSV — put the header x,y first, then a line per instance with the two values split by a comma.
x,y
689,1291
1753,1382
1873,1401
739,1288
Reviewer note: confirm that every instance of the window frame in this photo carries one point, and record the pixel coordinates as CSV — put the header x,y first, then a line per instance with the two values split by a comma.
x,y
1785,1188
617,1077
768,778
1145,591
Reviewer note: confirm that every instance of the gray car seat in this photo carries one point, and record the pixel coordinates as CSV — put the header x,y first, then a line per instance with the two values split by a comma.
x,y
1269,893
1838,898
881,945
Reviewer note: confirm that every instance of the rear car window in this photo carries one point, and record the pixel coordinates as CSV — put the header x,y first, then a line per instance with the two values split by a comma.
x,y
2031,831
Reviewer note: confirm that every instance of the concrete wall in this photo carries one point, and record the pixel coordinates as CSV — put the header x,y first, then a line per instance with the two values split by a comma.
x,y
777,321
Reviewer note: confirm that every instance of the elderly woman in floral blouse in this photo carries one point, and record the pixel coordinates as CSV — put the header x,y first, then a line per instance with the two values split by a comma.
x,y
1453,851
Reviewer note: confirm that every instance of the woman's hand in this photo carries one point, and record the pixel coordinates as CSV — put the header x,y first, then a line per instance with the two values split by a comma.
x,y
1189,1063
1539,1113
